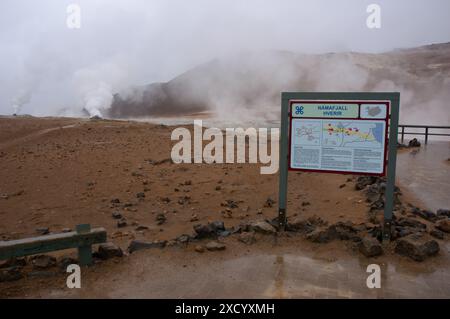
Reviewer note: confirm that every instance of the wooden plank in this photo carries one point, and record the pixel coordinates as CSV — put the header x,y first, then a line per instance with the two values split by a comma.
x,y
48,243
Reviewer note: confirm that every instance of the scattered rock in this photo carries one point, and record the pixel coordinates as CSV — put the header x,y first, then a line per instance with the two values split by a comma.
x,y
122,223
230,204
210,230
43,261
65,261
10,274
215,246
425,214
417,246
115,201
13,262
343,231
247,238
199,249
305,225
116,215
183,239
444,225
161,218
66,230
109,250
140,195
136,245
269,202
414,143
320,235
194,218
262,227
370,247
443,212
437,234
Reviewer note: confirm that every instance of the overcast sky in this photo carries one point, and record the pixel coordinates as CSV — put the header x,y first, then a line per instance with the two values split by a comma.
x,y
126,42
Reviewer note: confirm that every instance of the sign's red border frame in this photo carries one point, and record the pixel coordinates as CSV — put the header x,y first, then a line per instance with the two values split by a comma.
x,y
359,102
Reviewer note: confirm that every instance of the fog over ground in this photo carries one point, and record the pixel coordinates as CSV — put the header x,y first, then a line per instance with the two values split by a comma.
x,y
49,69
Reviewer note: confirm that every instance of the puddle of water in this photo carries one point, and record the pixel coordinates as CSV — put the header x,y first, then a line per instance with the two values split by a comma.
x,y
426,173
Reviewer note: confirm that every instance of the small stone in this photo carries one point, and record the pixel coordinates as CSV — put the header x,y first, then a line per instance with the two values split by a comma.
x,y
199,249
121,223
194,218
370,247
140,195
116,215
66,230
320,235
43,261
115,201
269,202
109,250
215,246
161,218
444,225
218,188
247,238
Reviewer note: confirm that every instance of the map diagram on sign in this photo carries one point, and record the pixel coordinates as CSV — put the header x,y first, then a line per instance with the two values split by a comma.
x,y
366,134
308,133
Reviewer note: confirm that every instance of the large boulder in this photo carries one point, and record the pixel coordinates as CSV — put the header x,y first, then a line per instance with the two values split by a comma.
x,y
417,246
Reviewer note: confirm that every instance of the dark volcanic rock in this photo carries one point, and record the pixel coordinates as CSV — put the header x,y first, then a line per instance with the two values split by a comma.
x,y
210,230
437,234
425,214
414,143
43,261
444,225
417,247
109,250
443,212
321,235
65,261
305,225
10,274
161,219
370,247
13,262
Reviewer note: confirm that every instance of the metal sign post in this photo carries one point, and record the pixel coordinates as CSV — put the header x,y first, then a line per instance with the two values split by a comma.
x,y
339,133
